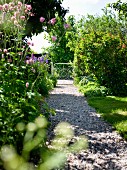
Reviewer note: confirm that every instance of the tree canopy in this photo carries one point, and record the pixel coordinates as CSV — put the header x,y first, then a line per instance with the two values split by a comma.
x,y
43,8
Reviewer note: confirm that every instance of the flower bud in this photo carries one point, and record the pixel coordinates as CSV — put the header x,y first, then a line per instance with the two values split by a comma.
x,y
42,19
27,84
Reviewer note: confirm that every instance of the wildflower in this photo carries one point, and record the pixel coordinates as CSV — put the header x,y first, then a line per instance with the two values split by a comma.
x,y
46,61
0,50
1,7
28,43
54,38
66,26
33,58
32,44
52,21
19,3
42,19
28,7
5,6
41,59
22,17
27,84
11,4
5,50
11,8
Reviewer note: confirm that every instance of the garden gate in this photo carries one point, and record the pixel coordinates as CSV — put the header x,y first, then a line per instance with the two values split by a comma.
x,y
64,70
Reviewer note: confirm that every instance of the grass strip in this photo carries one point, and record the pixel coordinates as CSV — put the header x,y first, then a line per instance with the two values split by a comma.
x,y
113,110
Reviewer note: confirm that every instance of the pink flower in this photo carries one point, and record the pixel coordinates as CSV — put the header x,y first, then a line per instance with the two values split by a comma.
x,y
11,4
32,44
54,38
66,26
1,7
5,50
22,17
42,19
52,21
19,3
28,7
11,8
27,84
5,6
28,43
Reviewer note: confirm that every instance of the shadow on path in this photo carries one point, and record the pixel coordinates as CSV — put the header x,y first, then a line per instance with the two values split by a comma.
x,y
107,150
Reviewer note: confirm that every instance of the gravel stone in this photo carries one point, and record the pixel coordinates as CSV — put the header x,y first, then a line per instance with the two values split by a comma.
x,y
107,150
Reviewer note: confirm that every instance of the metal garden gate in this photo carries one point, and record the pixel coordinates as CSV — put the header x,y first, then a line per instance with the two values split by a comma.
x,y
64,70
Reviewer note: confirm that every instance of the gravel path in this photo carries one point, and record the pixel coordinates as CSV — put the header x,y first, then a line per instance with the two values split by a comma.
x,y
107,150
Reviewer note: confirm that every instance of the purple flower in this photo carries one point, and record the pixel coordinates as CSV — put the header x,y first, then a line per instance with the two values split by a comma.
x,y
46,61
66,26
27,57
52,21
41,59
32,56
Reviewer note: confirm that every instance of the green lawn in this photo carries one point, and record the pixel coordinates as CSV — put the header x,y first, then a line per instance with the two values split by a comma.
x,y
114,110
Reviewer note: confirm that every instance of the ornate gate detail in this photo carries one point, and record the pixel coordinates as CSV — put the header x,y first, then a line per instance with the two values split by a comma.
x,y
64,70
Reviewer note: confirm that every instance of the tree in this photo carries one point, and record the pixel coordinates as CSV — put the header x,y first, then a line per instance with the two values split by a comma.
x,y
46,9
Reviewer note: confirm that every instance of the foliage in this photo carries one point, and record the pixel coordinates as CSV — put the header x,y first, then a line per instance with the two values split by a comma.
x,y
120,7
24,81
89,87
101,51
59,51
114,110
51,156
46,9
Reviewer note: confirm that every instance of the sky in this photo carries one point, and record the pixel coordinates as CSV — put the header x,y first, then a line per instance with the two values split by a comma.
x,y
76,8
